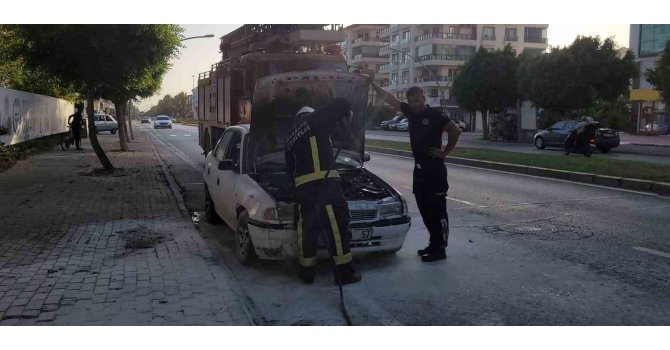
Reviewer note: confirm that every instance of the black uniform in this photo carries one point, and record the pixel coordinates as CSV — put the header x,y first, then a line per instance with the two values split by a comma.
x,y
77,121
430,174
309,155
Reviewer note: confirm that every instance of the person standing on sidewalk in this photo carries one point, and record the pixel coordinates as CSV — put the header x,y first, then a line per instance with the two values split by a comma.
x,y
75,121
430,184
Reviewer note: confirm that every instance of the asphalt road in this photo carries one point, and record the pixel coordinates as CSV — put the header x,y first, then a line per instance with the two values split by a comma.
x,y
523,251
650,154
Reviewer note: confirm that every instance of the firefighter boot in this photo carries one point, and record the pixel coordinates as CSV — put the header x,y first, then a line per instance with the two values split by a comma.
x,y
307,274
345,274
427,250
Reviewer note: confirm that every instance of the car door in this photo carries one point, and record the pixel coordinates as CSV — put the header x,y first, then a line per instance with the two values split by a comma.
x,y
221,183
554,133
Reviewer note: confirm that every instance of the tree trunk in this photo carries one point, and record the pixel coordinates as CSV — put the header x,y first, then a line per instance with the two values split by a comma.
x,y
125,126
122,130
485,124
130,124
92,135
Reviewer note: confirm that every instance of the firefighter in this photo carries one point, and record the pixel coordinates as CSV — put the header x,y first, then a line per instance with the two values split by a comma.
x,y
321,204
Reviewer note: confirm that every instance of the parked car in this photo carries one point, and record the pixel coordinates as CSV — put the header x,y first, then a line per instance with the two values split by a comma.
x,y
162,121
394,126
386,123
247,186
403,125
105,122
145,120
604,140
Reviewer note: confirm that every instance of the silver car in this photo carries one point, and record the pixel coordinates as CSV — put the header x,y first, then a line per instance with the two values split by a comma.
x,y
105,122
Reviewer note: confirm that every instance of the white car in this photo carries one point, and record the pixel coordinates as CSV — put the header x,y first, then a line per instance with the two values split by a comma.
x,y
162,121
105,122
403,125
247,186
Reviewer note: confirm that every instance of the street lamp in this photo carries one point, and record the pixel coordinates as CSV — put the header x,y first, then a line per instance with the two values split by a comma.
x,y
429,71
198,37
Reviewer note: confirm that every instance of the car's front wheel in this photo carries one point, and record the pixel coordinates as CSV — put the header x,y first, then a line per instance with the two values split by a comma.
x,y
113,131
244,247
539,143
210,213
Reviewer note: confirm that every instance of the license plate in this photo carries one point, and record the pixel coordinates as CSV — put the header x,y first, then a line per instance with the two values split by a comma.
x,y
361,234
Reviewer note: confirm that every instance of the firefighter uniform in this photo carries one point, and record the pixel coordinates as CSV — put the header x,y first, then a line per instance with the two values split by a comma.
x,y
321,202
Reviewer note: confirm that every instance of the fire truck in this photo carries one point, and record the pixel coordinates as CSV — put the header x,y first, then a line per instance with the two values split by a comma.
x,y
252,52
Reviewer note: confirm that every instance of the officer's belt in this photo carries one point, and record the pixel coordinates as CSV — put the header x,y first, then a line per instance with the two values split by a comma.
x,y
318,175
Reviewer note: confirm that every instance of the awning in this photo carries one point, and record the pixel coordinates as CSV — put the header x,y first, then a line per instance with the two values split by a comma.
x,y
644,95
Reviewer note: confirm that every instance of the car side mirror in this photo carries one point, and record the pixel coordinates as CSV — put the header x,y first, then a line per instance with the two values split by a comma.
x,y
366,156
226,164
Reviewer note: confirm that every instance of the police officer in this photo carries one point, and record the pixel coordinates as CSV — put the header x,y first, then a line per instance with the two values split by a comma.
x,y
75,121
430,185
321,204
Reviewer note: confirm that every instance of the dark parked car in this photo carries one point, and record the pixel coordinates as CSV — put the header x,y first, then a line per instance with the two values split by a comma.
x,y
604,140
386,124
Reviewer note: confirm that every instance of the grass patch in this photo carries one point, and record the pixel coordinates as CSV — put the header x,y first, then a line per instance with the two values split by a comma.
x,y
9,155
576,163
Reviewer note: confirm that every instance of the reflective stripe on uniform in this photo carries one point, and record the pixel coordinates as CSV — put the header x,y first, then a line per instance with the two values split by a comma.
x,y
336,230
342,259
307,262
299,233
315,154
300,180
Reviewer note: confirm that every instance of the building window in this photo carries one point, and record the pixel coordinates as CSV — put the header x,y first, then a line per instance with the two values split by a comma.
x,y
510,34
405,77
405,35
433,93
653,38
405,57
489,33
535,35
394,78
394,39
394,58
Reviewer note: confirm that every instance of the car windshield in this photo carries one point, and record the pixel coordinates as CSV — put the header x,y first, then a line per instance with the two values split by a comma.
x,y
162,118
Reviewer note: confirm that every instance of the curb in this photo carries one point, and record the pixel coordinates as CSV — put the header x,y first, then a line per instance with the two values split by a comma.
x,y
660,188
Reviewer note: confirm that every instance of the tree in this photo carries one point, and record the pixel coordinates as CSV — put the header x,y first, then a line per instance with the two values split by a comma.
x,y
659,76
15,75
488,83
573,78
97,59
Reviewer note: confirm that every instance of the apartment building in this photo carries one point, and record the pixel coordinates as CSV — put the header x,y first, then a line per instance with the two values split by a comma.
x,y
361,49
647,42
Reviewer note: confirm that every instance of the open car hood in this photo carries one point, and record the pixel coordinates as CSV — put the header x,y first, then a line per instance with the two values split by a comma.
x,y
278,97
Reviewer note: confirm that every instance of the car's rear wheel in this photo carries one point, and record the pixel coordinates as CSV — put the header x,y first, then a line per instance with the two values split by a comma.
x,y
539,143
244,247
210,213
113,131
604,149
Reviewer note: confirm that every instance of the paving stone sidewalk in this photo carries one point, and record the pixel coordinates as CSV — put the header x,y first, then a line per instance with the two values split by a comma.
x,y
81,248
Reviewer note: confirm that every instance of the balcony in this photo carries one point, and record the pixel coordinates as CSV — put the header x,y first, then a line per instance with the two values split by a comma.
x,y
405,81
372,58
440,78
384,68
367,42
489,37
530,39
459,58
384,50
386,31
454,36
512,38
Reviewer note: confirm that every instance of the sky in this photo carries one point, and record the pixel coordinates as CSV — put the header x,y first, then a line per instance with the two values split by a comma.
x,y
198,55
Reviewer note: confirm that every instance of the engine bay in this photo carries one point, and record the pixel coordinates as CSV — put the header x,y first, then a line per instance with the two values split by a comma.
x,y
357,185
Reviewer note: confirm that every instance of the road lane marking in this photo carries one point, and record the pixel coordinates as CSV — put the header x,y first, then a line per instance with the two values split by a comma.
x,y
180,154
173,135
537,177
187,135
651,251
463,202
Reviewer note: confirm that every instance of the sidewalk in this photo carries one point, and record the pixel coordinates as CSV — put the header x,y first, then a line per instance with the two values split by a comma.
x,y
83,249
640,140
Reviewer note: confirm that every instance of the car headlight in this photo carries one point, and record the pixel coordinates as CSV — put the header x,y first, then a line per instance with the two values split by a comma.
x,y
391,209
280,213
